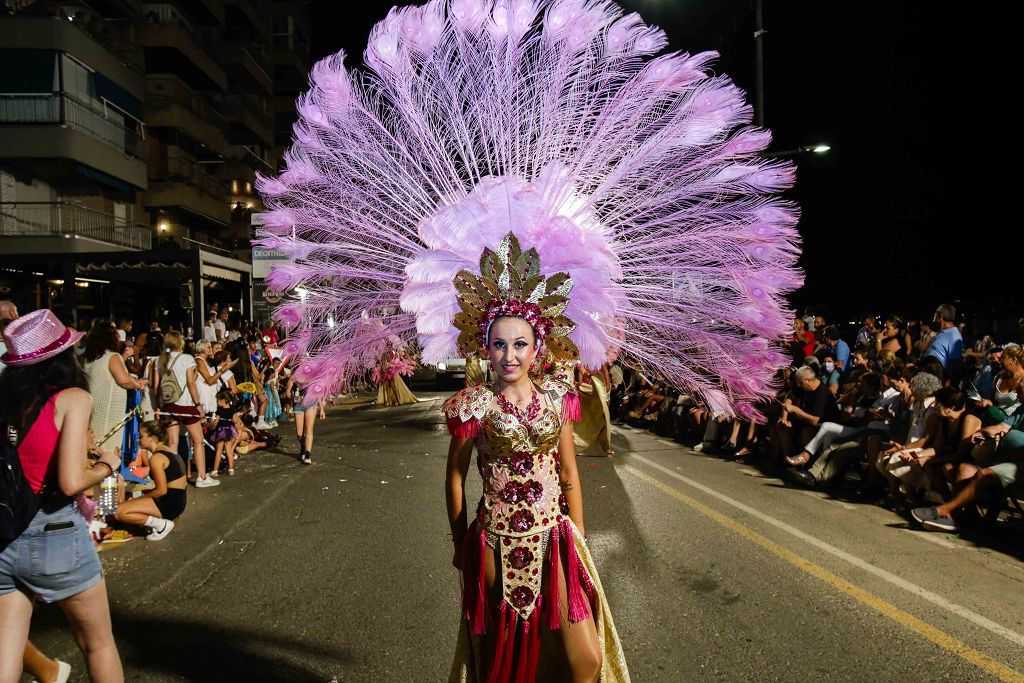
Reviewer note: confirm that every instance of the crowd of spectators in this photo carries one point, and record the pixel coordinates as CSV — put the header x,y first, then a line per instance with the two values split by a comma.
x,y
199,402
902,414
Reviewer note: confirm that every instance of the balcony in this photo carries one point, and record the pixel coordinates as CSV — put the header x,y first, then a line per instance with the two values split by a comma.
x,y
249,116
91,230
59,126
173,46
245,60
182,184
172,104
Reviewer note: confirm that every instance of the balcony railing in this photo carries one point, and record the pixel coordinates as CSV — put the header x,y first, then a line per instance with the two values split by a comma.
x,y
181,170
65,110
46,219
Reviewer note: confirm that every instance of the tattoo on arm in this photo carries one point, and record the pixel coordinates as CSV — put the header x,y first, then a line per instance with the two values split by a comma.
x,y
567,486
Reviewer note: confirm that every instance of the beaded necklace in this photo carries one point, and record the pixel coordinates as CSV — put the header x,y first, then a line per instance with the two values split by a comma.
x,y
532,409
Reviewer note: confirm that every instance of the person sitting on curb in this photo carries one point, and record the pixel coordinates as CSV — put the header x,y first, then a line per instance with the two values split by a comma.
x,y
157,508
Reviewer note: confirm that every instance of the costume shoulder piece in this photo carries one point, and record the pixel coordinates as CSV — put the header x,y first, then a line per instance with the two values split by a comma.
x,y
564,395
465,409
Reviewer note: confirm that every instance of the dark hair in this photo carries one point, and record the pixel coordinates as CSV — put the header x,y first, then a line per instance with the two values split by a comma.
x,y
896,321
26,388
832,332
872,380
154,344
156,429
951,397
932,365
101,338
225,395
947,312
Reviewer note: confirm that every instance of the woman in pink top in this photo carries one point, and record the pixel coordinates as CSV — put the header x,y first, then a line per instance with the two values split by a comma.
x,y
46,400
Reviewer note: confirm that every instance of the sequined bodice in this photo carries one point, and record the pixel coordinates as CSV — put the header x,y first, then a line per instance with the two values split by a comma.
x,y
517,461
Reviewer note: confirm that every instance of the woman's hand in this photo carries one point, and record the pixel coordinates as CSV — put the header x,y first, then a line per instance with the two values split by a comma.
x,y
228,364
111,459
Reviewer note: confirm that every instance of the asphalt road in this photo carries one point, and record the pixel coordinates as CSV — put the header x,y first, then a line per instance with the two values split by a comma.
x,y
714,571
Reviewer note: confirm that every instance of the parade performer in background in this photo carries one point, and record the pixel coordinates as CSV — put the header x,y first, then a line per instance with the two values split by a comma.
x,y
388,373
593,433
621,207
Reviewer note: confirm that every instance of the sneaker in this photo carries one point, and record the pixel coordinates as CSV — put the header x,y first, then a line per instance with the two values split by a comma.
x,y
63,672
929,518
205,483
160,534
273,424
307,458
261,424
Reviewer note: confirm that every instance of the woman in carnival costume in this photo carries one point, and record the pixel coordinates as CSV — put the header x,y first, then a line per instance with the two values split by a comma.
x,y
520,179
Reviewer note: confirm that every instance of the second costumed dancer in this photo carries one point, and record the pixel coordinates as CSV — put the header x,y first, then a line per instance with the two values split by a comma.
x,y
528,181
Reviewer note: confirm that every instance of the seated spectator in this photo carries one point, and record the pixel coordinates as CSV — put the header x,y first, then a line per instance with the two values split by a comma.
x,y
994,390
921,429
800,418
830,374
994,465
838,349
802,342
157,508
891,337
250,438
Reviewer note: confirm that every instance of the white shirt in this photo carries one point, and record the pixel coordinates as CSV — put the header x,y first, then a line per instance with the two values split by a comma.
x,y
209,333
179,363
219,329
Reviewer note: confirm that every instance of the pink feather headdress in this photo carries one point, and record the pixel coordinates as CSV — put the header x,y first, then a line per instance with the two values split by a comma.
x,y
636,174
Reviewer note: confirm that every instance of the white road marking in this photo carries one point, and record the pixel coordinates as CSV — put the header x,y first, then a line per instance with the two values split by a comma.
x,y
932,537
899,582
821,496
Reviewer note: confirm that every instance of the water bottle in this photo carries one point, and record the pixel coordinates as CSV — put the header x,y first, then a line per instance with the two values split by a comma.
x,y
106,498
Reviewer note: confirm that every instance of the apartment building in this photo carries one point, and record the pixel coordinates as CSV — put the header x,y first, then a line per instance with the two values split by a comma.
x,y
130,136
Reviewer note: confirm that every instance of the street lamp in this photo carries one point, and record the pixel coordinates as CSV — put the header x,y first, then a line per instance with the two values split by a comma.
x,y
819,148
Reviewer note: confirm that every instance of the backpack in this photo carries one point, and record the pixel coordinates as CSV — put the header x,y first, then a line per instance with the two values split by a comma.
x,y
170,389
18,502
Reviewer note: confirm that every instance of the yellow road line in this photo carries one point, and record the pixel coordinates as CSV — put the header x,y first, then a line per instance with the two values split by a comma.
x,y
940,638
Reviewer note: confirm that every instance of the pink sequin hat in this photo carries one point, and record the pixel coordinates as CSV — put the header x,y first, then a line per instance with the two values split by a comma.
x,y
36,336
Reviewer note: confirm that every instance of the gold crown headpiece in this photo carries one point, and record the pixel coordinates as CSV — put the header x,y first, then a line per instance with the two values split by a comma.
x,y
510,284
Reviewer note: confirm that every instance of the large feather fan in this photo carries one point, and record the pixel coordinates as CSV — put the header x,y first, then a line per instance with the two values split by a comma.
x,y
636,173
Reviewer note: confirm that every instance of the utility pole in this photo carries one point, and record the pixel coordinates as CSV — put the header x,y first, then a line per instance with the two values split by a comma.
x,y
759,62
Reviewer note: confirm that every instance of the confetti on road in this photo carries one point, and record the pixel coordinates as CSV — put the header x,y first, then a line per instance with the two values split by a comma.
x,y
382,481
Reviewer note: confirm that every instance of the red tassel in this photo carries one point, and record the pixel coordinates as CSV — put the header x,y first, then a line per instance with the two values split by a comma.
x,y
480,608
554,616
524,650
534,648
578,608
510,641
463,430
499,645
571,409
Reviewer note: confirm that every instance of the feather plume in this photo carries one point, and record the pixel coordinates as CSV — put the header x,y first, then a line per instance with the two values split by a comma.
x,y
638,174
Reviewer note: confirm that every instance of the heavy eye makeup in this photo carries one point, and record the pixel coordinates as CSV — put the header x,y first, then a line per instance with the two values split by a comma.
x,y
519,344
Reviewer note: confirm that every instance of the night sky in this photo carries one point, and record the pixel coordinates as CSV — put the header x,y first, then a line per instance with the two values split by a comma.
x,y
885,227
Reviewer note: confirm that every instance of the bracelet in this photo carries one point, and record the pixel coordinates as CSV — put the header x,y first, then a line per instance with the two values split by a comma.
x,y
109,468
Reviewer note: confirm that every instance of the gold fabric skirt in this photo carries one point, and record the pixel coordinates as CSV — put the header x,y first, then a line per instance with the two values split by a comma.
x,y
593,433
395,393
467,666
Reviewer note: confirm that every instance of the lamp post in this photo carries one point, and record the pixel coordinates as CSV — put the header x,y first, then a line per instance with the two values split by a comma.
x,y
805,149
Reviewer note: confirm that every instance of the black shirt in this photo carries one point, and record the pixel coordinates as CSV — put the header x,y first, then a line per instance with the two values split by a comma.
x,y
820,403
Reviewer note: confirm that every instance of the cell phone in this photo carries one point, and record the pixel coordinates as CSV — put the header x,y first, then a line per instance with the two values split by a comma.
x,y
57,526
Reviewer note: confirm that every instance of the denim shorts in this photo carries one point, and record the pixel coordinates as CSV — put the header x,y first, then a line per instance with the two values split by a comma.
x,y
54,563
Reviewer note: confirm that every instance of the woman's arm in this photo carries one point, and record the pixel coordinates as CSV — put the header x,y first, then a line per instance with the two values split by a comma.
x,y
460,453
74,475
158,473
569,476
203,369
191,386
119,371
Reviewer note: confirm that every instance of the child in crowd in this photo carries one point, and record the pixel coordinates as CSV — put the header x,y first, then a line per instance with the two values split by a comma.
x,y
249,437
224,435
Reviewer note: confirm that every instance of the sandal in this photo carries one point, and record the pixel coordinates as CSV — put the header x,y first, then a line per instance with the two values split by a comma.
x,y
799,460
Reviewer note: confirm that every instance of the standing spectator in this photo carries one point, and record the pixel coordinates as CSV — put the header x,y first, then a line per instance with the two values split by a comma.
x,y
948,344
209,376
220,326
179,370
209,329
109,381
838,349
270,335
46,399
802,343
124,330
